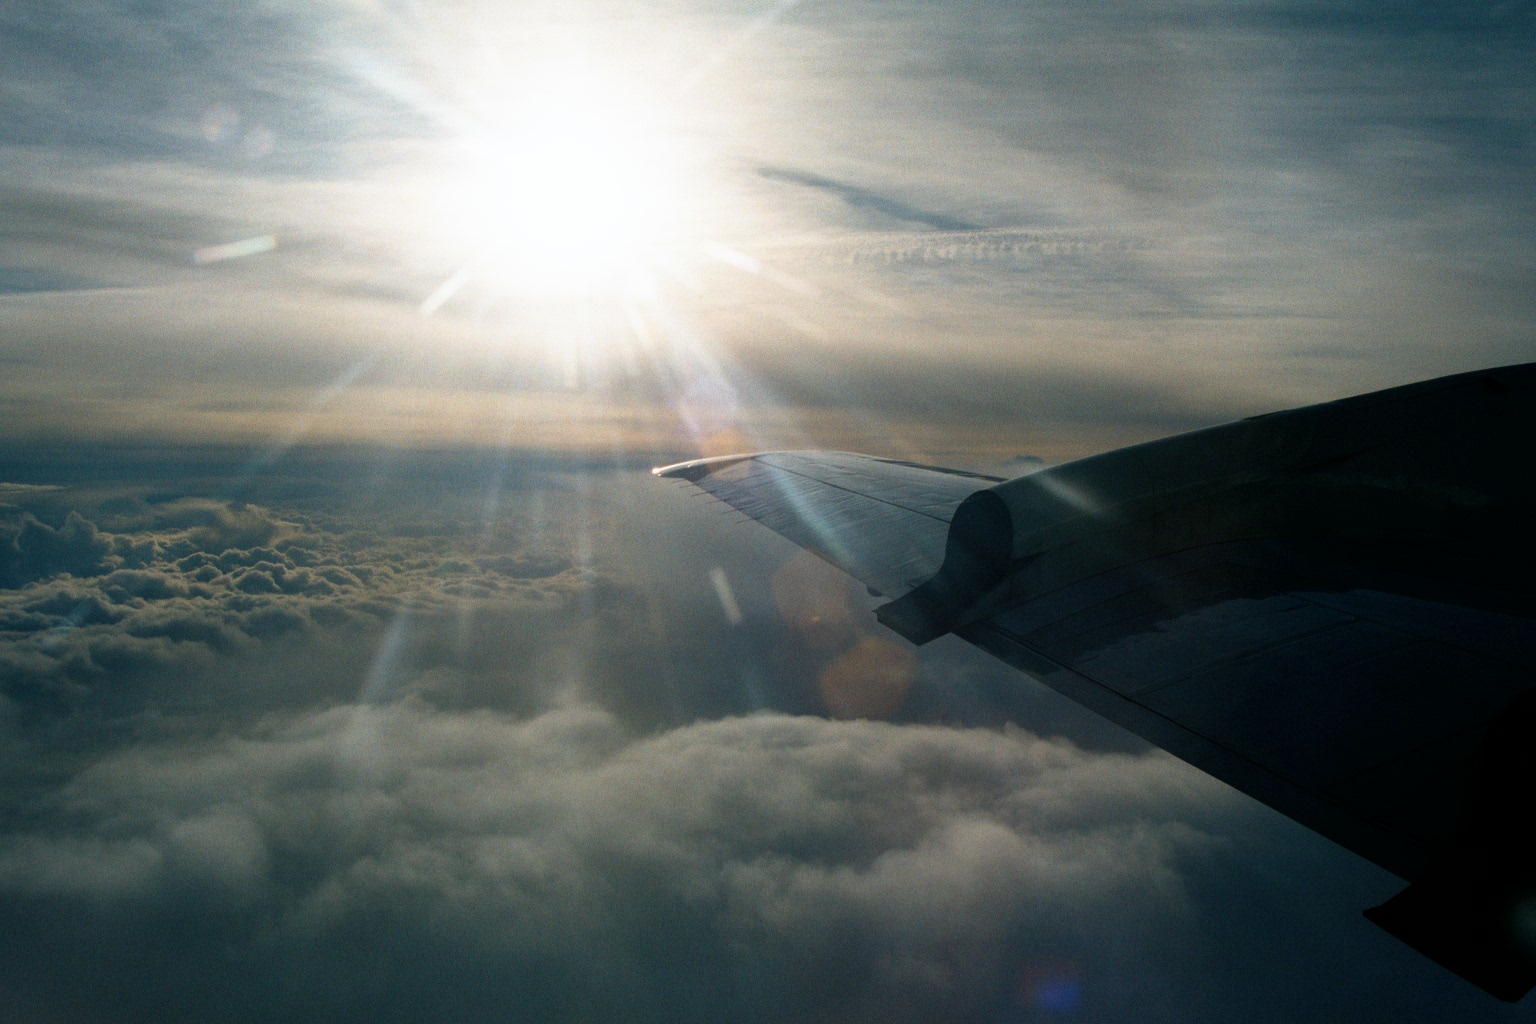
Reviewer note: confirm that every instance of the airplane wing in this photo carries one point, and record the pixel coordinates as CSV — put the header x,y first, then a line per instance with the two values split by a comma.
x,y
881,521
1328,608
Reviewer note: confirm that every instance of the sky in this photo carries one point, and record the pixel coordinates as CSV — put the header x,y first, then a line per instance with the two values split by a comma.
x,y
352,666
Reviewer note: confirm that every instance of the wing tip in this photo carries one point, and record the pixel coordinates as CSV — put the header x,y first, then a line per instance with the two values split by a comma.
x,y
697,469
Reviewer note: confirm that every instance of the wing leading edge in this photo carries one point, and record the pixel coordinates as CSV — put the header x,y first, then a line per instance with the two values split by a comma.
x,y
1328,608
881,521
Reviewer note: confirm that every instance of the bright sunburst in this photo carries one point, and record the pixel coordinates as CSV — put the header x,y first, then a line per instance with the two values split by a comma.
x,y
566,185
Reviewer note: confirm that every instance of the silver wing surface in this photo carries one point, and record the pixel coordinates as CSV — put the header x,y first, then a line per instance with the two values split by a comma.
x,y
881,521
1330,609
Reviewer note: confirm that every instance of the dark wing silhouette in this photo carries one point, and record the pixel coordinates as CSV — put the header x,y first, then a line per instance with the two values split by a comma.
x,y
1328,608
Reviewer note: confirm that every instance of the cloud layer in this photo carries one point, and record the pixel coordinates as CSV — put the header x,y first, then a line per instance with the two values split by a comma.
x,y
883,873
154,601
409,738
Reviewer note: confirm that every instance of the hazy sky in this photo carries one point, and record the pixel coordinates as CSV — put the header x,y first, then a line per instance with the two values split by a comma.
x,y
352,668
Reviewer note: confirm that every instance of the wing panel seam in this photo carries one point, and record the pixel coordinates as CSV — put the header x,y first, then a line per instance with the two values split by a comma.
x,y
861,494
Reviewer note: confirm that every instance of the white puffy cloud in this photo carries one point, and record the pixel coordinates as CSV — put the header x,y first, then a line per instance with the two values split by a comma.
x,y
926,863
167,589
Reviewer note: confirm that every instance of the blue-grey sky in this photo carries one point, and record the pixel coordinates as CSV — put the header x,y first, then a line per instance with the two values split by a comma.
x,y
352,668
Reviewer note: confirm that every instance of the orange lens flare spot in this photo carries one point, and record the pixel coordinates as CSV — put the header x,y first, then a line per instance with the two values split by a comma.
x,y
870,680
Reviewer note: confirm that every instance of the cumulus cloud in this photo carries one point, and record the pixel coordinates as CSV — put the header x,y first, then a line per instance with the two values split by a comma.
x,y
796,867
31,550
164,590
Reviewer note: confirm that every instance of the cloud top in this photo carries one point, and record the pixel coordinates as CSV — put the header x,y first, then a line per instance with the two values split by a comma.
x,y
890,871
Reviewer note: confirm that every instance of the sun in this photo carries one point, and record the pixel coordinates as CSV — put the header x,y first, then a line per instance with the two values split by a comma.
x,y
566,185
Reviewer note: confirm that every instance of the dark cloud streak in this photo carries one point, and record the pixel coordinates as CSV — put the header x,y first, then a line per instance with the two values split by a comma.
x,y
864,199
